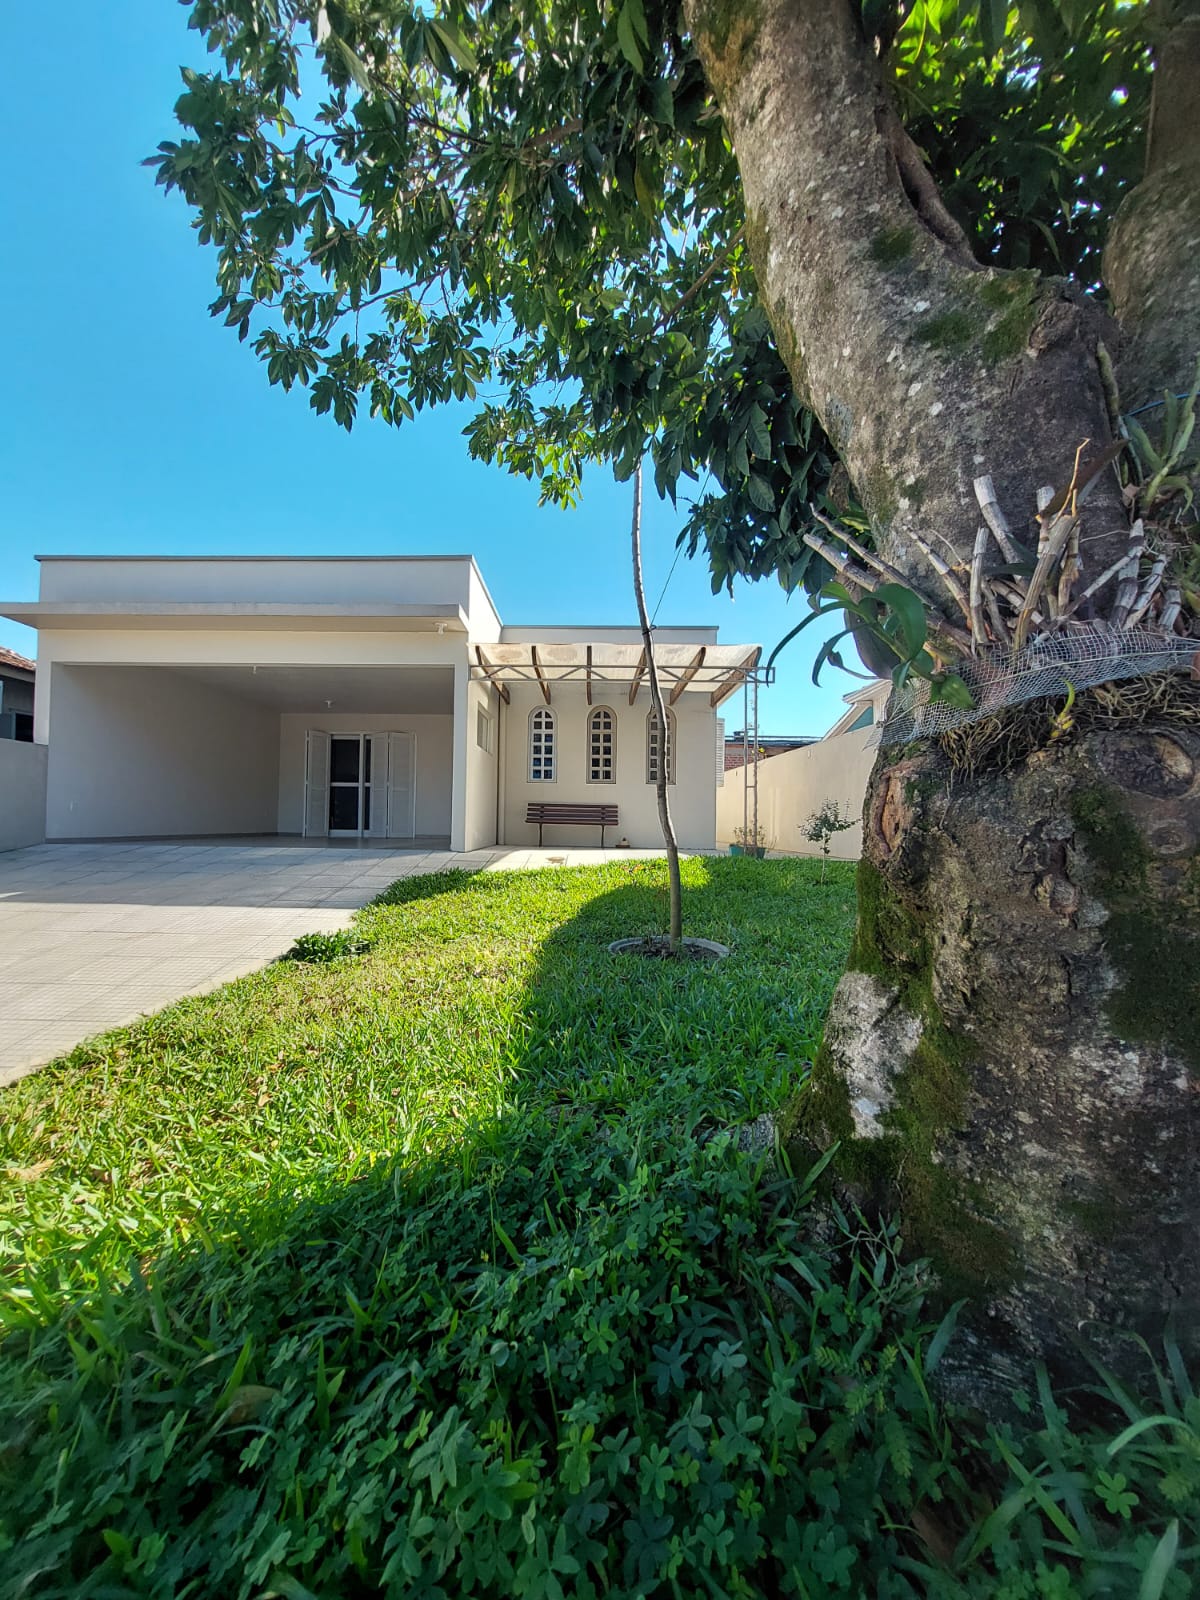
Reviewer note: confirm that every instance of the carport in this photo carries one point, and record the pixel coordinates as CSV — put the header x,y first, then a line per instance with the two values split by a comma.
x,y
201,748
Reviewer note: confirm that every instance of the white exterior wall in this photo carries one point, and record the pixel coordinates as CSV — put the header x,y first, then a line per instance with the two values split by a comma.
x,y
144,752
434,742
483,769
693,794
22,794
793,785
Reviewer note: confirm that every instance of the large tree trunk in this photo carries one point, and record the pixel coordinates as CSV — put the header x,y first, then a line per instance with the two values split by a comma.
x,y
1011,1056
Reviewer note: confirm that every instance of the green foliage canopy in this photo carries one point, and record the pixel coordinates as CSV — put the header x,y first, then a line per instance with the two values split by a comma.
x,y
533,206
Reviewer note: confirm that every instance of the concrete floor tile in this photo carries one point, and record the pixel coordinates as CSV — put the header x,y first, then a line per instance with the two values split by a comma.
x,y
94,936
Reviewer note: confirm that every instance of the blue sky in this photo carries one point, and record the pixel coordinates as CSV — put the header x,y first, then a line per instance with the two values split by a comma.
x,y
132,422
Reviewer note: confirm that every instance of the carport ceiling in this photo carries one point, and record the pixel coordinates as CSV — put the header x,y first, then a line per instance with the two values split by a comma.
x,y
375,690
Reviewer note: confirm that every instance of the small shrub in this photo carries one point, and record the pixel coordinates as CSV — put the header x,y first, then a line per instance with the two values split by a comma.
x,y
327,946
824,823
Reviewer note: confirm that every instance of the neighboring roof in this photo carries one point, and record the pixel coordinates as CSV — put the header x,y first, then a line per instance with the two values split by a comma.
x,y
717,669
10,658
869,691
767,739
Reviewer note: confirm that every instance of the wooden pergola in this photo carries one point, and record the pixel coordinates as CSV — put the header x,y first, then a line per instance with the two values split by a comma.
x,y
712,669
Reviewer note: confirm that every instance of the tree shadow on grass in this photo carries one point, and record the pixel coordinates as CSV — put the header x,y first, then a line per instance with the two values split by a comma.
x,y
581,1348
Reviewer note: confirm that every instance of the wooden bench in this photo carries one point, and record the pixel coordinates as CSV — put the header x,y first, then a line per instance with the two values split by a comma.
x,y
599,816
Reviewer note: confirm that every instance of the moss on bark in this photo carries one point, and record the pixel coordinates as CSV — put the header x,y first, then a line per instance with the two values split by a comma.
x,y
951,330
1150,936
1012,300
892,246
729,29
945,1214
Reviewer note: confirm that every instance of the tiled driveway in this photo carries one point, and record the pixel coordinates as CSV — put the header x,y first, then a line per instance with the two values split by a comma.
x,y
93,935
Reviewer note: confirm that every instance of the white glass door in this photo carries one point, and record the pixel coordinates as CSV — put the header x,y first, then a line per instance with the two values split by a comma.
x,y
316,784
349,785
401,785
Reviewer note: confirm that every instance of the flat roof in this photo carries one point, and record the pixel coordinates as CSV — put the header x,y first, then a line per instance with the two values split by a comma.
x,y
138,557
469,559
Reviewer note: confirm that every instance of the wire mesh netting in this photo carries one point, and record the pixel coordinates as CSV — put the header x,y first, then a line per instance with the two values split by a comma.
x,y
1050,665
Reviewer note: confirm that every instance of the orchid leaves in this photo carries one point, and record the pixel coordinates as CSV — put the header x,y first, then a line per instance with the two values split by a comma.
x,y
895,616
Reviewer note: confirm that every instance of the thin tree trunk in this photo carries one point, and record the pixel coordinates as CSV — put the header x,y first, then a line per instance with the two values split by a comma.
x,y
1011,1059
660,711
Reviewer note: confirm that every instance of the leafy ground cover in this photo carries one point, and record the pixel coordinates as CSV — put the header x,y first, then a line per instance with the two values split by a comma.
x,y
443,1269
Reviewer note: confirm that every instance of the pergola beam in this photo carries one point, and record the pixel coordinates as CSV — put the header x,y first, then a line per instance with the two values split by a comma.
x,y
737,677
688,673
539,674
637,678
493,676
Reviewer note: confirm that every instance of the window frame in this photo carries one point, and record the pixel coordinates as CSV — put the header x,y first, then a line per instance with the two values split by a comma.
x,y
670,750
590,773
542,719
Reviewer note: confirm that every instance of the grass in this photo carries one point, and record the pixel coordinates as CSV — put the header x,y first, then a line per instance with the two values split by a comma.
x,y
440,1270
482,995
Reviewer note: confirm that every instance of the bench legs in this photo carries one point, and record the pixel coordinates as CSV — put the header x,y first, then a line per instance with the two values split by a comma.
x,y
601,825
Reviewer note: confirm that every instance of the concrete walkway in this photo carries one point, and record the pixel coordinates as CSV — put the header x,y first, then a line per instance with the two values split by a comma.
x,y
94,935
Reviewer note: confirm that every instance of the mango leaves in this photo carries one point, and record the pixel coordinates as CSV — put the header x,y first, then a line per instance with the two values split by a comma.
x,y
532,207
1029,115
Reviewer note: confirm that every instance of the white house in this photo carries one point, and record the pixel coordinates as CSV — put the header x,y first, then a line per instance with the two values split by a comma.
x,y
379,697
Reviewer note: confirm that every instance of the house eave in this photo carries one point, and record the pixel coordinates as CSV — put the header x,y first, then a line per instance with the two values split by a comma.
x,y
280,616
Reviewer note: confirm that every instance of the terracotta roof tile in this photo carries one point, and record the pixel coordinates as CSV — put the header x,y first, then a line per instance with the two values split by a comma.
x,y
10,658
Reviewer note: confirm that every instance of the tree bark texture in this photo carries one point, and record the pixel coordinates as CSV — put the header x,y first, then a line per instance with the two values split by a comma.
x,y
1012,1055
1152,263
924,368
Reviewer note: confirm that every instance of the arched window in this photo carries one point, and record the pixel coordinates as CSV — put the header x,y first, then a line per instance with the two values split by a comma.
x,y
602,746
654,748
543,749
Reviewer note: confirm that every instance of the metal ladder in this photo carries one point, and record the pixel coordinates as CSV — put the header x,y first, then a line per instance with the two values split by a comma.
x,y
750,757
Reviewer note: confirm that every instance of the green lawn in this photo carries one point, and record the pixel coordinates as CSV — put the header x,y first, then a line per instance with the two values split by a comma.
x,y
439,1271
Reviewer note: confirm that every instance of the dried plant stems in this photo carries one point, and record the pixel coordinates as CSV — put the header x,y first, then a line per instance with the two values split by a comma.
x,y
978,625
985,493
1001,608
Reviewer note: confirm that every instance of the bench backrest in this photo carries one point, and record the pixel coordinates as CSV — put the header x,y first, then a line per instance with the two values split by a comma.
x,y
564,811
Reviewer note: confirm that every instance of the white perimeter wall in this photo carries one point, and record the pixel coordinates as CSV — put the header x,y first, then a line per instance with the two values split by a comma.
x,y
794,785
693,794
146,751
434,755
22,793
